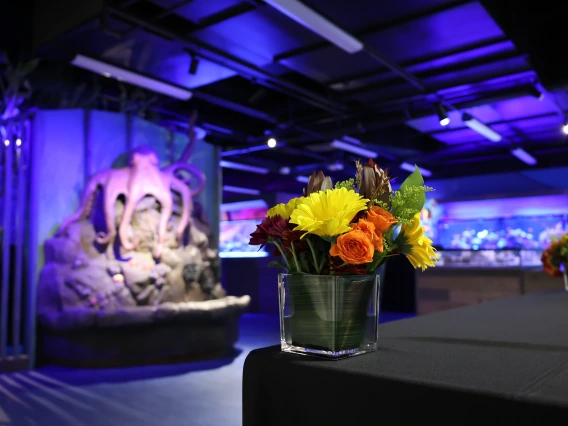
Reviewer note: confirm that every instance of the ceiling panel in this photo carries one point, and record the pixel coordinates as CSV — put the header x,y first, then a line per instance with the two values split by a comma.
x,y
450,29
264,33
349,15
197,10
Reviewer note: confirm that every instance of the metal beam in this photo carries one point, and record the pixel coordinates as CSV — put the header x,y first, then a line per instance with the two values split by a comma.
x,y
243,109
234,63
229,13
419,61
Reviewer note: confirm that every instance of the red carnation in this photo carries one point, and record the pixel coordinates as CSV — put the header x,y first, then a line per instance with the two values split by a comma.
x,y
290,237
269,228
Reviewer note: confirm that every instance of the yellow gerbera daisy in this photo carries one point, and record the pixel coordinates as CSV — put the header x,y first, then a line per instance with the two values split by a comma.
x,y
284,210
328,213
415,246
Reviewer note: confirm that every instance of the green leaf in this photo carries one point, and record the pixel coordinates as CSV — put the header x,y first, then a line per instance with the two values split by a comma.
x,y
303,261
415,179
378,258
277,264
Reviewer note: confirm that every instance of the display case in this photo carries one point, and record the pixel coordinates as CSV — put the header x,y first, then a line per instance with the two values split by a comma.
x,y
519,233
505,258
234,239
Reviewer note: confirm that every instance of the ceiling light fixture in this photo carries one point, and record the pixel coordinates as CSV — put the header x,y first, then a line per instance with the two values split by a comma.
x,y
536,92
312,20
481,128
131,77
303,179
217,128
335,167
524,156
354,149
348,138
193,65
411,167
442,114
240,190
243,167
565,129
285,170
271,142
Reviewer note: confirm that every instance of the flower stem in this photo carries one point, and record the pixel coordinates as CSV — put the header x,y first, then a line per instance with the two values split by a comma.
x,y
282,252
316,264
295,258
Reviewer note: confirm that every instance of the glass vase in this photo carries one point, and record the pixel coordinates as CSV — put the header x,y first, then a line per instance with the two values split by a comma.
x,y
328,316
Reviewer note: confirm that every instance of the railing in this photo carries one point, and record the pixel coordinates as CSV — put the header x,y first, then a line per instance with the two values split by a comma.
x,y
18,265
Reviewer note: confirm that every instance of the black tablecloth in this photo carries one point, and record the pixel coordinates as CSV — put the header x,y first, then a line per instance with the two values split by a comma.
x,y
501,362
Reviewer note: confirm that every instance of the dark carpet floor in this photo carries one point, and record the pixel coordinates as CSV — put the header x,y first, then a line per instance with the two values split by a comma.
x,y
206,393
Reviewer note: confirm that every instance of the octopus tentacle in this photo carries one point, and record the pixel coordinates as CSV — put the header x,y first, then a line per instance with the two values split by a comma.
x,y
86,205
110,196
198,174
165,200
186,206
131,203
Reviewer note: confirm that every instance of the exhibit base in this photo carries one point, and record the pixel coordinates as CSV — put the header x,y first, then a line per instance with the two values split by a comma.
x,y
142,335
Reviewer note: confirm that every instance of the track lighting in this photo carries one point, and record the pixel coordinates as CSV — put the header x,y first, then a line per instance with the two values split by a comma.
x,y
193,65
442,114
481,128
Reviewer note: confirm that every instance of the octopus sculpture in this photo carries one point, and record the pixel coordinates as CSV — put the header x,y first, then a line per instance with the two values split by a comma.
x,y
142,177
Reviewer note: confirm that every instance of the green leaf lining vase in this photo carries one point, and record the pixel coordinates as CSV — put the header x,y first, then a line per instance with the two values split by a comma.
x,y
328,316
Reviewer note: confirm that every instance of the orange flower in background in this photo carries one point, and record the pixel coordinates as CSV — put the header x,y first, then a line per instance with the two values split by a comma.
x,y
368,228
354,248
380,218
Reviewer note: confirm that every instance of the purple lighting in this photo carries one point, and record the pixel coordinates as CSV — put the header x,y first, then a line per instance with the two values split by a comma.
x,y
503,207
524,156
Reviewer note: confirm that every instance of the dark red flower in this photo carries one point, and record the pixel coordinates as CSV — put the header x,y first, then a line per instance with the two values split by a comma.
x,y
269,228
290,237
338,266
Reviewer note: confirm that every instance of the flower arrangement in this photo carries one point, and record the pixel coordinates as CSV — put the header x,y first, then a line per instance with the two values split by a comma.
x,y
350,228
555,257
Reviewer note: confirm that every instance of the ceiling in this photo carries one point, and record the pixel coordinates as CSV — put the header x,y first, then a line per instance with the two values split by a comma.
x,y
262,74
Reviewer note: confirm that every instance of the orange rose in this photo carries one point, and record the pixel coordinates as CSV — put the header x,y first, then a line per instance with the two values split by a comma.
x,y
354,248
380,218
368,228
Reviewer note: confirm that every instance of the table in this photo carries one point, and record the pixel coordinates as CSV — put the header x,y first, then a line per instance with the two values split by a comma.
x,y
501,362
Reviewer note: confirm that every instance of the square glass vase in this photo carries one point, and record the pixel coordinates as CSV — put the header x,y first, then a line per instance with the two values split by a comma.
x,y
328,316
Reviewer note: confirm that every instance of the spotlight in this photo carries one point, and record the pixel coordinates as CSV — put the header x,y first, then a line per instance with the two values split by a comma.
x,y
565,129
285,170
271,142
7,142
442,114
18,142
536,92
193,65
